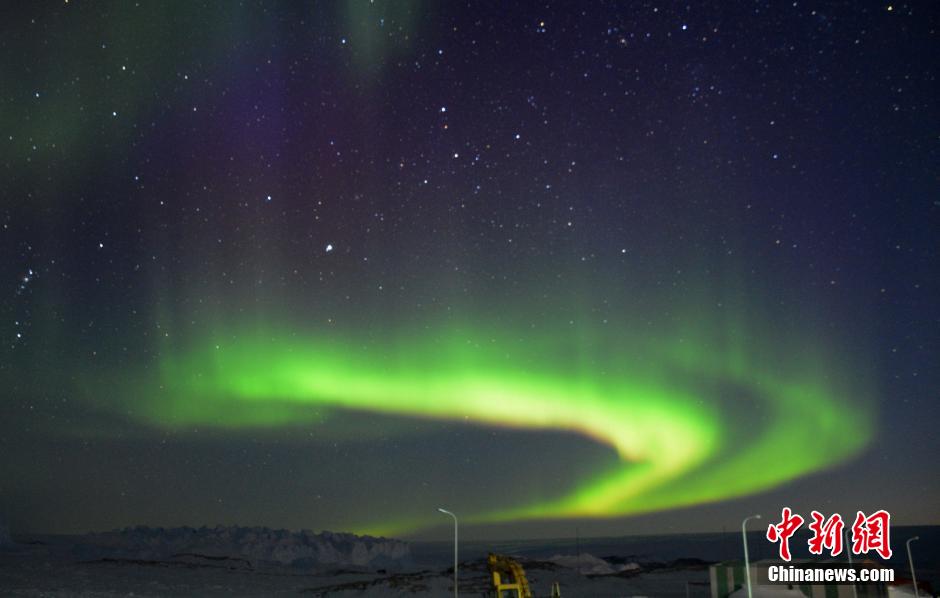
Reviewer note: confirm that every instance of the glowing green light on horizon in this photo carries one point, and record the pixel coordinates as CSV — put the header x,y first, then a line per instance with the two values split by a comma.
x,y
689,426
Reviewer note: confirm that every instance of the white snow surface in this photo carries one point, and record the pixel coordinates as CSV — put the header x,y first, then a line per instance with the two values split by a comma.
x,y
255,562
588,564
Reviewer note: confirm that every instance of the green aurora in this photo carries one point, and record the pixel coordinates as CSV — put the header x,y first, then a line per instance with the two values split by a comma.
x,y
690,421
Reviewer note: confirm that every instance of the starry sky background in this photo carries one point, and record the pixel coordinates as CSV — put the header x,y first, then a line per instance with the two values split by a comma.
x,y
173,170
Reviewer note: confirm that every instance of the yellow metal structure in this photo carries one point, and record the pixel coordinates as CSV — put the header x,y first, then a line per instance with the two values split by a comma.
x,y
502,566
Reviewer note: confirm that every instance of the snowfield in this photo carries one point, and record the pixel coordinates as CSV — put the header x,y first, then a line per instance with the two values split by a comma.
x,y
238,561
243,561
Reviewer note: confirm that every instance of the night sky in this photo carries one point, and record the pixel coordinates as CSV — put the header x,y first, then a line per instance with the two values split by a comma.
x,y
598,268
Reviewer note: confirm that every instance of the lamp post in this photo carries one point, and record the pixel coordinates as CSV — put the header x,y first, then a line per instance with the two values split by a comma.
x,y
910,561
446,512
747,562
848,551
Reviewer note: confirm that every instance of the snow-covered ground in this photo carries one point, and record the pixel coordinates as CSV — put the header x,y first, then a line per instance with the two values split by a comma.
x,y
261,562
26,575
237,561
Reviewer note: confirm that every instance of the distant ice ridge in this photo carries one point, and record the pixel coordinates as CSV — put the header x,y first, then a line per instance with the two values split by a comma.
x,y
588,564
255,544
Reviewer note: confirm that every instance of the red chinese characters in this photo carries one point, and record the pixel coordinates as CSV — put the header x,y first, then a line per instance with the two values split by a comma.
x,y
826,534
869,534
872,533
783,531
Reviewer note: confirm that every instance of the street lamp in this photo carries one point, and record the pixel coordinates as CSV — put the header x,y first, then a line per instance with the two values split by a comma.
x,y
747,562
446,512
910,561
848,551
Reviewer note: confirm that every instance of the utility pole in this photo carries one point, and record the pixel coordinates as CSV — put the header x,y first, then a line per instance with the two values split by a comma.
x,y
446,512
910,561
747,562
